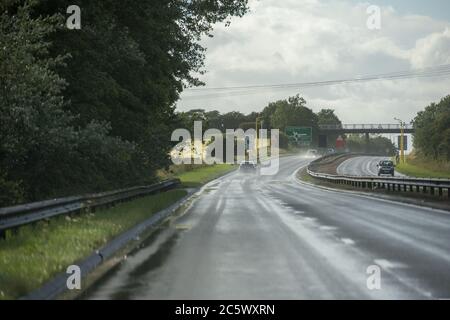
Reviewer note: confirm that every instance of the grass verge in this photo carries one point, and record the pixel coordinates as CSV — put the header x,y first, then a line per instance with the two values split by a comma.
x,y
201,175
33,254
424,168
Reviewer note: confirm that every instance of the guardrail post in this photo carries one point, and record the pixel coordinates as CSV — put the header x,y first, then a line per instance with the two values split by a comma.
x,y
424,189
432,191
440,192
417,189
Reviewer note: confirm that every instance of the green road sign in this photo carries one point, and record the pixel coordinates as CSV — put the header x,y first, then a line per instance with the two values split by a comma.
x,y
301,135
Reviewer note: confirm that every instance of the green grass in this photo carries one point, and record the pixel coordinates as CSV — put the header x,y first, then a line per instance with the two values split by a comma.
x,y
33,254
201,175
423,168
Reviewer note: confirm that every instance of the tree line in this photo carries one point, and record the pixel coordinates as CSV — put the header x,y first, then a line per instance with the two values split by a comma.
x,y
281,114
92,109
432,131
278,115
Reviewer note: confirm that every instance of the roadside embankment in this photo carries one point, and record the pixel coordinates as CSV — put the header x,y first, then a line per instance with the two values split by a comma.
x,y
32,255
418,166
329,164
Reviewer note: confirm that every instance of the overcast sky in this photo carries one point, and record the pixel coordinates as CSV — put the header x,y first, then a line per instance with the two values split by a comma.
x,y
291,41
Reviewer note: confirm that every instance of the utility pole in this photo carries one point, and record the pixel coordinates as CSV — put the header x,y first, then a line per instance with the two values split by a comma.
x,y
402,135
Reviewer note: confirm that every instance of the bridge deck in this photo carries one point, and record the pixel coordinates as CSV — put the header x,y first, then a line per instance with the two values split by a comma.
x,y
366,128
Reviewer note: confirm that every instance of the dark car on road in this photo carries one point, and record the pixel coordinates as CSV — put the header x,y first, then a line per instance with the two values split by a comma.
x,y
386,167
248,166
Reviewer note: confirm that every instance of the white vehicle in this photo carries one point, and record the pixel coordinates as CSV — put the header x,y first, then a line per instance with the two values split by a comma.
x,y
312,154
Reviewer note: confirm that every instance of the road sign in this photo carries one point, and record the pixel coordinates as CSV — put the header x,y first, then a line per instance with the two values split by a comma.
x,y
301,135
405,142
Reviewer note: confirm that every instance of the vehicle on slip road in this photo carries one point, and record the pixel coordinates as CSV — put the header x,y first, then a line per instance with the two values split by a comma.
x,y
386,167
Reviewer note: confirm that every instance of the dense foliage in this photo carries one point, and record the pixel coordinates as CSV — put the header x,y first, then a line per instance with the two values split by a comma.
x,y
93,109
377,145
432,130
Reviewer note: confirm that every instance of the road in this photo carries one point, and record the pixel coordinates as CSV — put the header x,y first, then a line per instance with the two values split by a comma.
x,y
270,237
362,166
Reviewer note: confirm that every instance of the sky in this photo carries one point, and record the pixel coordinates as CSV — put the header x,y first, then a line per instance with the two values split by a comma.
x,y
292,41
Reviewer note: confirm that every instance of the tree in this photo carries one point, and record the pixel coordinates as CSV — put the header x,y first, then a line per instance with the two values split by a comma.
x,y
131,60
214,120
104,117
33,124
293,112
43,153
376,145
432,130
328,117
232,120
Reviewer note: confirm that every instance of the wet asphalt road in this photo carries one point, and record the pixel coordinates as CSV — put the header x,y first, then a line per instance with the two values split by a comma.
x,y
269,237
362,166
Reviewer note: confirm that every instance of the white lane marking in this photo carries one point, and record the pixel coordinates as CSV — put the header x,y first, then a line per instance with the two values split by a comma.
x,y
347,241
389,265
371,167
309,219
299,184
386,264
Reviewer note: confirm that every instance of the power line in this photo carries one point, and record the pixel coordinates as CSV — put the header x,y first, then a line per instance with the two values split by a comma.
x,y
437,71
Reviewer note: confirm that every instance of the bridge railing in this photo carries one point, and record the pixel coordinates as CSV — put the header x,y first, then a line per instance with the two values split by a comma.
x,y
389,126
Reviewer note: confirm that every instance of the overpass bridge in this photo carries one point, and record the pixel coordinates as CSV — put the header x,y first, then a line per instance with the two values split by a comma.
x,y
364,128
